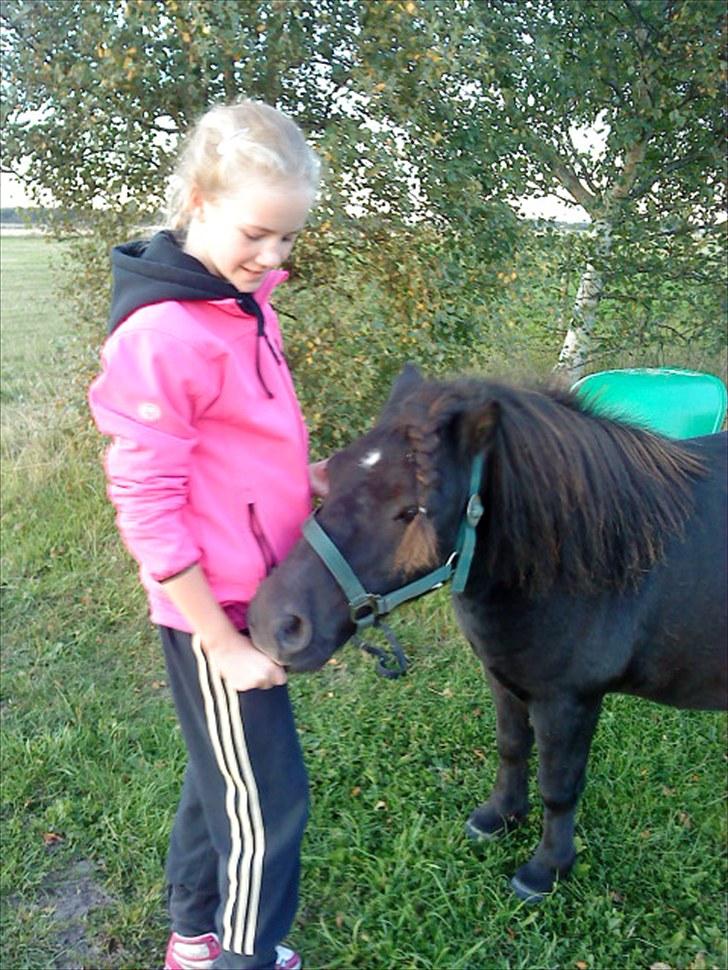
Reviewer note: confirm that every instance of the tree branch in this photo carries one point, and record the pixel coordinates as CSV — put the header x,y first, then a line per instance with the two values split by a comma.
x,y
638,18
573,186
646,184
615,90
28,39
635,157
583,173
566,199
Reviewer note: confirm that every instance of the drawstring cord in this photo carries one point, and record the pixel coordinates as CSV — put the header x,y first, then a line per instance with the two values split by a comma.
x,y
262,333
248,305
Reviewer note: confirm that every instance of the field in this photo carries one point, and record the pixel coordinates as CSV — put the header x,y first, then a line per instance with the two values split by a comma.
x,y
92,759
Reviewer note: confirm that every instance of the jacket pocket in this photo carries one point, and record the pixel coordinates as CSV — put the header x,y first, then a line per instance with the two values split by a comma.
x,y
266,550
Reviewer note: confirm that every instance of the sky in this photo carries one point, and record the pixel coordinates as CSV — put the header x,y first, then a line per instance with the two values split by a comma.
x,y
13,194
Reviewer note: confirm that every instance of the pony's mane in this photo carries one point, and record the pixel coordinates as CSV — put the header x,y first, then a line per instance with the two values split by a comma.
x,y
569,494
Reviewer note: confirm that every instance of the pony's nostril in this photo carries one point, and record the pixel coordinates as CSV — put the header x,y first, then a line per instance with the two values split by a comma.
x,y
290,627
293,632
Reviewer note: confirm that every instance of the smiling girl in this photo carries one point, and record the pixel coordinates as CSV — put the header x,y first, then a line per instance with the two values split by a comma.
x,y
208,472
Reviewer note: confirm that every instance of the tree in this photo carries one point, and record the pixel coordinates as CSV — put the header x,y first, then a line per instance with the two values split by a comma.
x,y
434,116
97,92
511,85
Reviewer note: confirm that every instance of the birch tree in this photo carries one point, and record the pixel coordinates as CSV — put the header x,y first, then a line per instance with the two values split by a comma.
x,y
616,106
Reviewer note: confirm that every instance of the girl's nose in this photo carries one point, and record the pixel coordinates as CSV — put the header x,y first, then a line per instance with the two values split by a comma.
x,y
271,255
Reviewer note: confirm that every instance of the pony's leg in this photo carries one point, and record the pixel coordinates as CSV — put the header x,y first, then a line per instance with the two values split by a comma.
x,y
508,801
564,728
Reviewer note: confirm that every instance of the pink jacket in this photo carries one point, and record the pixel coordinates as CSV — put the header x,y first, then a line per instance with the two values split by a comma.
x,y
204,466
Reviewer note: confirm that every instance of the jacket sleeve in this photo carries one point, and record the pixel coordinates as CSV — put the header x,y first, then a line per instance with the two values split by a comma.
x,y
148,397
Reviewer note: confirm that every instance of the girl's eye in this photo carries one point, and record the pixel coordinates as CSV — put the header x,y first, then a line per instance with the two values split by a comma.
x,y
406,515
253,238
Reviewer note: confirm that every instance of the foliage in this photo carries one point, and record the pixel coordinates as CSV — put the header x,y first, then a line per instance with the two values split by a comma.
x,y
434,119
345,343
513,88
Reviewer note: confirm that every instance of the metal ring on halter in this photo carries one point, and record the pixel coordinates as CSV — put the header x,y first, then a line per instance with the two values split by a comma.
x,y
364,610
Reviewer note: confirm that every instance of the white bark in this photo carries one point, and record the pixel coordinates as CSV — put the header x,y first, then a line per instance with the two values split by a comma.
x,y
577,342
576,347
574,354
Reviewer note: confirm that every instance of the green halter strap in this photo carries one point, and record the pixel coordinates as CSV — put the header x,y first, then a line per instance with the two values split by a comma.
x,y
366,608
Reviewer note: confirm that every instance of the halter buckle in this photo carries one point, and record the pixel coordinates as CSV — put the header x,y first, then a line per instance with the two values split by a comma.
x,y
364,610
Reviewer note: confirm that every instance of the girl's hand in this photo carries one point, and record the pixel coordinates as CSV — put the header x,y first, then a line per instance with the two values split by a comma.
x,y
318,477
241,665
229,653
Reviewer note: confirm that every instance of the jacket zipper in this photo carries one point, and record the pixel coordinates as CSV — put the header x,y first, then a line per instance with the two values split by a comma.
x,y
296,407
266,551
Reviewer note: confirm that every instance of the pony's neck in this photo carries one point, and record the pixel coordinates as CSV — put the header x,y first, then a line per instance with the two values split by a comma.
x,y
578,498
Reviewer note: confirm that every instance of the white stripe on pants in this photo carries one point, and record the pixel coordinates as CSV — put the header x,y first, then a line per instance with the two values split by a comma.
x,y
247,835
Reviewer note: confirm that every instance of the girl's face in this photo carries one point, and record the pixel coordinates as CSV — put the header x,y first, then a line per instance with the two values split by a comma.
x,y
241,236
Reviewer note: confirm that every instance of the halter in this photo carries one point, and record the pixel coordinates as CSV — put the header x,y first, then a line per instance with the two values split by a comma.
x,y
366,609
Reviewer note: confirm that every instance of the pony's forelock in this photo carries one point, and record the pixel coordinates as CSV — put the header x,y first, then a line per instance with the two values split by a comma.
x,y
418,548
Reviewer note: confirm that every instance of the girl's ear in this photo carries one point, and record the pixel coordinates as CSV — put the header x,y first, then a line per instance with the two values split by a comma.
x,y
196,203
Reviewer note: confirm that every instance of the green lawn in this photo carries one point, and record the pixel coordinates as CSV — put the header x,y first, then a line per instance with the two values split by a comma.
x,y
30,338
92,759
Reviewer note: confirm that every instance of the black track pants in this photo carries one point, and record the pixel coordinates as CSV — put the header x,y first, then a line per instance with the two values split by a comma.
x,y
234,852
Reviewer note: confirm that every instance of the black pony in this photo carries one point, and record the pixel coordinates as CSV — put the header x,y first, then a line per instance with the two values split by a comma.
x,y
599,565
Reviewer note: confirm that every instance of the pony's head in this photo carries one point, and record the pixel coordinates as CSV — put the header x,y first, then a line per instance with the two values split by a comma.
x,y
395,501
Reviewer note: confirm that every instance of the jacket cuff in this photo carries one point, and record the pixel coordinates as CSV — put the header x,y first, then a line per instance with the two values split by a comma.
x,y
174,575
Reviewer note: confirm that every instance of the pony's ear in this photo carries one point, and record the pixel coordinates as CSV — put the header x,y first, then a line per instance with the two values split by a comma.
x,y
409,378
476,425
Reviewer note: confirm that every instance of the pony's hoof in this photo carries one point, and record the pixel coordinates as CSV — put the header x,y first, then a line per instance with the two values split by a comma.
x,y
485,824
476,834
526,893
534,881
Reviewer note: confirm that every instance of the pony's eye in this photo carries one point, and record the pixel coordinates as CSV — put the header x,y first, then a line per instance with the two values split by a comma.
x,y
406,515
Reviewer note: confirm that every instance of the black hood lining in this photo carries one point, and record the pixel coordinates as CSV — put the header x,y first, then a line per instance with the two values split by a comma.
x,y
158,269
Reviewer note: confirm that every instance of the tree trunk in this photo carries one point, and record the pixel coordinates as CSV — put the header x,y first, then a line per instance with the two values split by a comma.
x,y
575,349
574,354
577,343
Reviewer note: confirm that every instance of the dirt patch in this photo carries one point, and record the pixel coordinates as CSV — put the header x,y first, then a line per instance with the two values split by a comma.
x,y
69,896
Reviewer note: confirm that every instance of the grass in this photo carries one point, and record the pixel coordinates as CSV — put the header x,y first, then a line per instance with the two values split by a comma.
x,y
92,758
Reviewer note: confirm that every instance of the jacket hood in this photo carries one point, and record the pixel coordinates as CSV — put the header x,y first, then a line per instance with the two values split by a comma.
x,y
157,269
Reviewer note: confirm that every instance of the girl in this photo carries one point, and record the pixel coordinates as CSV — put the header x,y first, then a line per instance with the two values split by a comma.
x,y
208,473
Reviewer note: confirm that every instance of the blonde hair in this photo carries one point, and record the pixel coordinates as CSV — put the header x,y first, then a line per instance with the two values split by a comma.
x,y
235,140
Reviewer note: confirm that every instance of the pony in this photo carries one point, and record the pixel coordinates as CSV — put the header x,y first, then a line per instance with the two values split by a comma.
x,y
598,564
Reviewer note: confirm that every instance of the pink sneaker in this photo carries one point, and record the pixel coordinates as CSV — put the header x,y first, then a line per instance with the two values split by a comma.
x,y
200,952
191,952
287,959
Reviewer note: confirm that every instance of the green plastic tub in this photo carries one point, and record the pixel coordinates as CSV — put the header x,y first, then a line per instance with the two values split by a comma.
x,y
676,403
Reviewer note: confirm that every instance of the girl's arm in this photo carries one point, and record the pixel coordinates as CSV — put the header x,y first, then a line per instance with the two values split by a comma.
x,y
230,653
146,398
